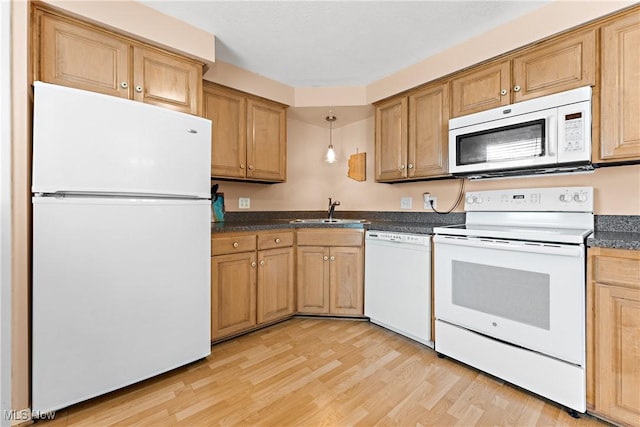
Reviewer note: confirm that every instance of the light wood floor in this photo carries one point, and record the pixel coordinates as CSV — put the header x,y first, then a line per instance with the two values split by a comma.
x,y
320,372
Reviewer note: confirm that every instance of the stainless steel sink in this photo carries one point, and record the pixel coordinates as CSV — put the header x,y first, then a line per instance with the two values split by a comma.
x,y
327,221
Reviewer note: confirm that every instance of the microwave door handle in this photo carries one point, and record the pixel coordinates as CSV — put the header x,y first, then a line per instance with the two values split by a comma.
x,y
553,134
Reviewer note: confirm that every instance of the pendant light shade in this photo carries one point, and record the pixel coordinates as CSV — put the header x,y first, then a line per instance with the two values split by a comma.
x,y
330,157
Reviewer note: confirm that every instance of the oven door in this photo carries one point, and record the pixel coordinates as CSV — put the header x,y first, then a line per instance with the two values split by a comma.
x,y
525,293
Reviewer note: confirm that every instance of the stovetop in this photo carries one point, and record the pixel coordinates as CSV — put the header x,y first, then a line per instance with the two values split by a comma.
x,y
557,215
537,234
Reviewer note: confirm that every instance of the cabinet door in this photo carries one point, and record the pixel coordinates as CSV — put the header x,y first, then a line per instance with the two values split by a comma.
x,y
226,110
428,131
313,279
233,293
620,91
347,280
555,66
391,139
618,353
275,284
81,57
266,141
480,89
166,80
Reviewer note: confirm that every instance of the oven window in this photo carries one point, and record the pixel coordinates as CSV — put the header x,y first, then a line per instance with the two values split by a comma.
x,y
518,295
515,142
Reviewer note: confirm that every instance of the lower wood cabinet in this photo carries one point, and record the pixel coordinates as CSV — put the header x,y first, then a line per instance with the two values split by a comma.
x,y
233,293
330,272
613,335
251,280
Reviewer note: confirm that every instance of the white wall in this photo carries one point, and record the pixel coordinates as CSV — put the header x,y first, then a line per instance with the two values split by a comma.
x,y
5,212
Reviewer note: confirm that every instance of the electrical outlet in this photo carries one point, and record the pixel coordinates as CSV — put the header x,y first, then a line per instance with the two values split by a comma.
x,y
406,202
244,203
428,198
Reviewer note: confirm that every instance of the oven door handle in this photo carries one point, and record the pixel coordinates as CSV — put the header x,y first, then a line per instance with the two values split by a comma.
x,y
510,245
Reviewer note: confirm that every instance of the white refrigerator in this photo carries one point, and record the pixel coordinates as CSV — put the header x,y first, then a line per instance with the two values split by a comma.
x,y
121,243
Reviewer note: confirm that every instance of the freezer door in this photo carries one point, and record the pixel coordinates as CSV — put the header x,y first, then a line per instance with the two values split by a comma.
x,y
121,292
93,143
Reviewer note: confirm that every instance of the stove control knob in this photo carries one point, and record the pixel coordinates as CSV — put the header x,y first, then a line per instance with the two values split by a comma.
x,y
580,197
471,199
479,200
566,197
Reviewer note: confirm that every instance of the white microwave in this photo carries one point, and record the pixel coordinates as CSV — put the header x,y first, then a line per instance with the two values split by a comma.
x,y
550,133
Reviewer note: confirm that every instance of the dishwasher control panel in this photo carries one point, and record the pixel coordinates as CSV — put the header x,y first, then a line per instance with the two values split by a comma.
x,y
414,239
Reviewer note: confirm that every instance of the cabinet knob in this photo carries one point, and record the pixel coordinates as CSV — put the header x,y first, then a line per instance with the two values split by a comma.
x,y
277,240
503,92
124,85
410,166
138,89
401,168
326,258
333,258
262,262
253,264
235,244
250,167
242,166
516,88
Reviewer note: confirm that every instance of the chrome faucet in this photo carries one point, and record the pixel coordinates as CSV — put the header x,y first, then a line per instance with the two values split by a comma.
x,y
332,208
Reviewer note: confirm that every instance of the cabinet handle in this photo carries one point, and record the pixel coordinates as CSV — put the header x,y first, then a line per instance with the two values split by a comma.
x,y
516,88
410,166
277,240
401,167
326,258
333,258
242,166
503,92
253,264
250,167
138,89
262,262
235,244
124,85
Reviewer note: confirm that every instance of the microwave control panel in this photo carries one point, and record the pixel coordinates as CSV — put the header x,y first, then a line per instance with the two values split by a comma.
x,y
578,199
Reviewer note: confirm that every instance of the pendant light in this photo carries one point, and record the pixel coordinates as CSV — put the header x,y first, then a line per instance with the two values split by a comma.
x,y
330,157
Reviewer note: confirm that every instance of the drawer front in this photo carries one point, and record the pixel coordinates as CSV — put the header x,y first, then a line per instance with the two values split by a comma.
x,y
280,239
330,237
233,244
618,270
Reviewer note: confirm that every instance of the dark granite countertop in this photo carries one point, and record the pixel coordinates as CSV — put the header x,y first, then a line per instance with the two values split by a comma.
x,y
616,231
399,222
612,231
614,239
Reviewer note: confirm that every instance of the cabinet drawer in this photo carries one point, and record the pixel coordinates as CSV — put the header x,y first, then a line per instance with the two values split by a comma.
x,y
619,271
232,244
278,239
330,237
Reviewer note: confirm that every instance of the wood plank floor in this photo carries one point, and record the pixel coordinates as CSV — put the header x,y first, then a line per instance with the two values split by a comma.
x,y
320,372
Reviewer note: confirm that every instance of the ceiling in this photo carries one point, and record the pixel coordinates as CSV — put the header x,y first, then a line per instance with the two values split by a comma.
x,y
338,43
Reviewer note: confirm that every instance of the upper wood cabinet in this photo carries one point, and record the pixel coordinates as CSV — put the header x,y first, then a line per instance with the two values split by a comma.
x,y
249,135
556,65
71,53
411,135
613,335
620,91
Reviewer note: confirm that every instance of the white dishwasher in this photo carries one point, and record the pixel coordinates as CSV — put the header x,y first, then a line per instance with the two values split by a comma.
x,y
397,292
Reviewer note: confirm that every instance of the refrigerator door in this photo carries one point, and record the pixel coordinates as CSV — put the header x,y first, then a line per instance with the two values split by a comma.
x,y
121,293
92,143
